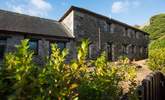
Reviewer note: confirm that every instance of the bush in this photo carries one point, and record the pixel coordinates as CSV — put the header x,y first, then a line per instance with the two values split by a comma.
x,y
157,44
21,78
18,74
157,59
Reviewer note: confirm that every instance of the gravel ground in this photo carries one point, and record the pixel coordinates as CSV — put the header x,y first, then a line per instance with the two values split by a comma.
x,y
143,71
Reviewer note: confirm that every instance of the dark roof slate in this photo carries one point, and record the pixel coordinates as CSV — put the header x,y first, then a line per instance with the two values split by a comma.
x,y
10,21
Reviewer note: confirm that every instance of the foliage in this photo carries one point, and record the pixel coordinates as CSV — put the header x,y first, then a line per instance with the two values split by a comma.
x,y
157,59
156,29
107,80
157,44
21,78
18,75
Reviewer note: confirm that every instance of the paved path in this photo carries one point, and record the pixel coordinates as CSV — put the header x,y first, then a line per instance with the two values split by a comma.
x,y
143,71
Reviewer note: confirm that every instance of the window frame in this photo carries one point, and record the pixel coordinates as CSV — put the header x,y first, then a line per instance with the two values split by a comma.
x,y
125,31
124,49
133,49
56,42
3,44
37,48
90,49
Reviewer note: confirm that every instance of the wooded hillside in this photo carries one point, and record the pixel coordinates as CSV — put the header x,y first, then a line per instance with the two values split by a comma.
x,y
156,28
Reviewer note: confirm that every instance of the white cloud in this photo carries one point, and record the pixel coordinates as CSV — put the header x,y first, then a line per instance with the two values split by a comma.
x,y
123,6
41,4
119,6
31,7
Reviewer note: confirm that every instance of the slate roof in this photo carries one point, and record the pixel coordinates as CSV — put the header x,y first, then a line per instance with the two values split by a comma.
x,y
10,21
98,16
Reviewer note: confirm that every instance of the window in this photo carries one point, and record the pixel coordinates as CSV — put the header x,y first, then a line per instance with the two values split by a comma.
x,y
105,26
60,45
33,45
141,50
125,32
91,50
110,49
112,28
2,47
134,34
124,49
133,49
145,49
129,33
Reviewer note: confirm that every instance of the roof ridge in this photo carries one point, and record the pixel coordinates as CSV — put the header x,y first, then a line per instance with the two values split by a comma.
x,y
22,14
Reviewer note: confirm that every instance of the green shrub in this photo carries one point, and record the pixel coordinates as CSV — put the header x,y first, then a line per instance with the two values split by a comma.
x,y
157,59
21,78
157,44
18,74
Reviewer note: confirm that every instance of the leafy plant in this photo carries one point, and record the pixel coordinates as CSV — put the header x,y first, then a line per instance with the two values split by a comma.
x,y
18,74
157,59
81,79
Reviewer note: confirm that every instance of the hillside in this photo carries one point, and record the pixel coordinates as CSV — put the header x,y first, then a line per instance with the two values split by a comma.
x,y
156,27
156,56
157,44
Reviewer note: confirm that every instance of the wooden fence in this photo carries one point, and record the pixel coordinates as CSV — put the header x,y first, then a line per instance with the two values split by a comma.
x,y
152,87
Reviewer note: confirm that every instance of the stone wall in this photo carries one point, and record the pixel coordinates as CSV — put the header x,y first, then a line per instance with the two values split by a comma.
x,y
43,44
87,26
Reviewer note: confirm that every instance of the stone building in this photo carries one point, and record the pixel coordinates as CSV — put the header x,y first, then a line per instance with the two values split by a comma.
x,y
105,34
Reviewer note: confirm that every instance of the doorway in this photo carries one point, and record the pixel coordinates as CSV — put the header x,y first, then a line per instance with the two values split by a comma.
x,y
109,51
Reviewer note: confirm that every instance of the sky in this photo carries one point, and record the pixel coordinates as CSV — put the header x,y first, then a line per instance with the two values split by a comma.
x,y
133,12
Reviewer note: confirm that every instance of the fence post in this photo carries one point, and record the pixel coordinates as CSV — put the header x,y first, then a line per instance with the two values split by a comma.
x,y
140,91
145,83
153,87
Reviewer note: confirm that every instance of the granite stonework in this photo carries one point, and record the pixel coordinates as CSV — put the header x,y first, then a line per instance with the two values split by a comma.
x,y
107,35
43,44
